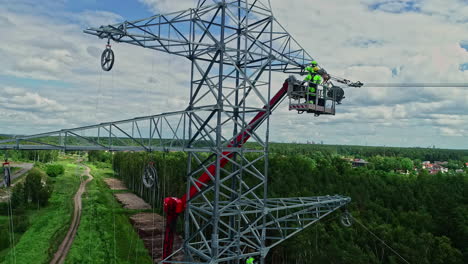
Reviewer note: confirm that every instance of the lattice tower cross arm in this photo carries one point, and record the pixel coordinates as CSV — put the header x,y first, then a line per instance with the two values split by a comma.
x,y
191,33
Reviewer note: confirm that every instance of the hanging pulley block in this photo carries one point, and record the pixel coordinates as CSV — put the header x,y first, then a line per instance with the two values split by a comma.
x,y
150,176
337,93
346,219
7,174
107,58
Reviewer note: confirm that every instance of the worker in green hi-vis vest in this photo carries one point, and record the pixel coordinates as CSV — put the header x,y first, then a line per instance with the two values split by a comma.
x,y
250,260
314,79
312,69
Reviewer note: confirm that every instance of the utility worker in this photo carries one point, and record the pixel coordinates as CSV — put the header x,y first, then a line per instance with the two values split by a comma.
x,y
312,69
313,87
314,79
250,260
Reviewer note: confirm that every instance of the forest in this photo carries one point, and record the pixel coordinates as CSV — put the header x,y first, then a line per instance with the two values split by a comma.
x,y
423,217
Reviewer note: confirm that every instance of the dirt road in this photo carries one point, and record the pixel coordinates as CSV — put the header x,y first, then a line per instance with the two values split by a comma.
x,y
25,167
62,251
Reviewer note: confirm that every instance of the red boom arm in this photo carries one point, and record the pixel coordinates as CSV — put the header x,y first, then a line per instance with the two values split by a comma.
x,y
174,206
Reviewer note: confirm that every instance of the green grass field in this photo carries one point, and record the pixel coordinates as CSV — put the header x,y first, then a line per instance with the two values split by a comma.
x,y
105,234
49,224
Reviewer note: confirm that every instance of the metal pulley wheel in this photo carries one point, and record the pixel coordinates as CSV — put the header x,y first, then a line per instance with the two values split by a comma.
x,y
337,93
346,219
150,176
107,59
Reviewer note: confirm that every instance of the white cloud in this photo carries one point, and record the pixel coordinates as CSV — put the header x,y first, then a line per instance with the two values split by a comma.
x,y
19,100
347,37
165,6
451,132
96,18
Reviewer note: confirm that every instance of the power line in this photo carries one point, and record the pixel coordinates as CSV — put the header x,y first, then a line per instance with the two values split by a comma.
x,y
383,242
462,85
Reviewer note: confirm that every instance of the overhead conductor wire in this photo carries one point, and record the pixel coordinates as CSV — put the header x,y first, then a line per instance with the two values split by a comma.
x,y
379,239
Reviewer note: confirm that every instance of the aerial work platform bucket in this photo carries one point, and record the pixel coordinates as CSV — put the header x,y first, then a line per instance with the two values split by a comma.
x,y
324,100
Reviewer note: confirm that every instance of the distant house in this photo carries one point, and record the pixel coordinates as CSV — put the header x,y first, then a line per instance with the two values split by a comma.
x,y
359,163
459,171
466,164
436,167
427,165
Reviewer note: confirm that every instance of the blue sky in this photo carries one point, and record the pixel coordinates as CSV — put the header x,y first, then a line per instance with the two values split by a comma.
x,y
396,6
51,78
130,10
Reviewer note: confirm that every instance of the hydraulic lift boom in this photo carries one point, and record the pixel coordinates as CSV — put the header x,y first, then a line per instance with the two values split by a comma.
x,y
174,206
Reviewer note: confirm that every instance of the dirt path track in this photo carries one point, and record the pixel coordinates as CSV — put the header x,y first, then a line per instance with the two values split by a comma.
x,y
62,251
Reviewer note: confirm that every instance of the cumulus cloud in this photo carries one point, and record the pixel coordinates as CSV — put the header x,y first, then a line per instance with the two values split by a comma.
x,y
451,132
158,6
20,100
368,40
96,18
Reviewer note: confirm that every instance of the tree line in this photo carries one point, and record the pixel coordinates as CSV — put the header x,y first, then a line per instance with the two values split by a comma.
x,y
423,217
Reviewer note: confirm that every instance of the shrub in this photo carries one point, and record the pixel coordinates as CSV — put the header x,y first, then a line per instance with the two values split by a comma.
x,y
36,190
99,156
54,170
18,195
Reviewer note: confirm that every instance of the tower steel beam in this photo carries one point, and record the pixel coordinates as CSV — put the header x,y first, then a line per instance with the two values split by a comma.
x,y
285,217
162,132
233,46
192,34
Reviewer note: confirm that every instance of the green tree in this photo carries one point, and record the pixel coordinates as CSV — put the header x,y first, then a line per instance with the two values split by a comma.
x,y
18,195
36,189
54,170
406,164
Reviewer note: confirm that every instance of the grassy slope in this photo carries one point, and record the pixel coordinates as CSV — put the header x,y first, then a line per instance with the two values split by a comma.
x,y
105,234
48,225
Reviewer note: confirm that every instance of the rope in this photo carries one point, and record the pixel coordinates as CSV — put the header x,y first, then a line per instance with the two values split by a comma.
x,y
379,239
113,175
113,213
12,228
11,225
163,194
90,225
98,95
155,183
131,244
408,85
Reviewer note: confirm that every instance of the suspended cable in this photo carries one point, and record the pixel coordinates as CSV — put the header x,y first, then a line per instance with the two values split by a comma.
x,y
379,239
462,85
91,222
12,227
98,95
113,213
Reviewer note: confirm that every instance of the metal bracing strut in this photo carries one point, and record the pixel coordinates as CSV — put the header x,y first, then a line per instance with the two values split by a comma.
x,y
233,47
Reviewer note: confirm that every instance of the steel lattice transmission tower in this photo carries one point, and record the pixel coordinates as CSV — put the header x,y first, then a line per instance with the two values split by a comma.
x,y
233,47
